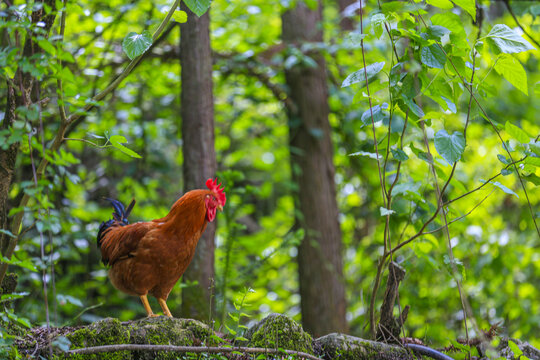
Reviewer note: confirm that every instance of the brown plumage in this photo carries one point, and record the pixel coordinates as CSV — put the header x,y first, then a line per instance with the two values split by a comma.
x,y
149,257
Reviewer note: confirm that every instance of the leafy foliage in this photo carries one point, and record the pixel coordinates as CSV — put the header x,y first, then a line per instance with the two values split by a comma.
x,y
418,78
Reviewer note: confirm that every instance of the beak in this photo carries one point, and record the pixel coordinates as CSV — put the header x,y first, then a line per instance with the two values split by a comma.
x,y
220,208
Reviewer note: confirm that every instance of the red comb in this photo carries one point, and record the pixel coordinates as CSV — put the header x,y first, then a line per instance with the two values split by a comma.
x,y
213,185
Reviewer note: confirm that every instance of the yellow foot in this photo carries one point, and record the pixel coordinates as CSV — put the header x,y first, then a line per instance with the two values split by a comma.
x,y
153,315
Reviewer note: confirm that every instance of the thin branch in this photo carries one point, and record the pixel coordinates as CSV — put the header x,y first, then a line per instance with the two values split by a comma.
x,y
188,349
61,108
483,184
86,141
462,216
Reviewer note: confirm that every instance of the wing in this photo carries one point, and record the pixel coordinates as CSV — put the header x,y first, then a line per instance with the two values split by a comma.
x,y
118,242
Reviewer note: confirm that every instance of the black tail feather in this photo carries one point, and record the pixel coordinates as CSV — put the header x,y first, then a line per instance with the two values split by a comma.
x,y
120,218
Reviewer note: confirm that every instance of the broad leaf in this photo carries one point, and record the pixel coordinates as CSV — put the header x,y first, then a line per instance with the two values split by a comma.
x,y
136,44
504,188
198,7
516,133
450,147
510,68
360,75
117,141
377,22
437,31
507,40
467,5
442,4
413,107
433,56
533,160
399,154
533,179
378,114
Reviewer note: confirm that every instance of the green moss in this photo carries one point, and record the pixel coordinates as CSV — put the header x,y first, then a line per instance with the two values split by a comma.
x,y
105,332
9,284
167,331
279,331
348,347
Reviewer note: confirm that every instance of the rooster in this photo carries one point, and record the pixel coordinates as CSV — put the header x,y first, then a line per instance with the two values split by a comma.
x,y
149,257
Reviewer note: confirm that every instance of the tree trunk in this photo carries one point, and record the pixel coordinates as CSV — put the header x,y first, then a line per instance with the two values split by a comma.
x,y
346,23
197,112
320,266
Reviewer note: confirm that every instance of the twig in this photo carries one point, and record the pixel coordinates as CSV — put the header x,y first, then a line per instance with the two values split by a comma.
x,y
484,184
61,107
188,349
462,216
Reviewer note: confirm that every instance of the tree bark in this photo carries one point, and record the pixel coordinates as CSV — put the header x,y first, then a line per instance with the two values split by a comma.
x,y
323,304
346,23
197,110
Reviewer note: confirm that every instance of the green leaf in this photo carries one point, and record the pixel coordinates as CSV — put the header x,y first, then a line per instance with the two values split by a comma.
x,y
503,159
365,153
27,264
507,40
417,110
377,22
7,232
533,179
399,154
359,75
180,16
450,147
437,31
198,7
442,4
433,56
515,349
385,211
47,46
117,141
516,133
136,44
378,114
503,188
467,5
512,70
533,160
408,187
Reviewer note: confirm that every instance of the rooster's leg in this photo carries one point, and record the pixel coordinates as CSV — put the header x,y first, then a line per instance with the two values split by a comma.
x,y
164,307
147,307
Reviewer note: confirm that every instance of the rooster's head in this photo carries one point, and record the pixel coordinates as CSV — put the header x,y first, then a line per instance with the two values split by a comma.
x,y
214,201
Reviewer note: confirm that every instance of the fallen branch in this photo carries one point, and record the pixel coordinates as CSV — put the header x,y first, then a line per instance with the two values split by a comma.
x,y
188,349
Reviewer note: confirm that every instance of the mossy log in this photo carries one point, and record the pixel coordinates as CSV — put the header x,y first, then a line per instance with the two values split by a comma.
x,y
272,335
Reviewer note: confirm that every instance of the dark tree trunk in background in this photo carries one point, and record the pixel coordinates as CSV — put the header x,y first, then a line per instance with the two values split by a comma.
x,y
346,23
198,147
320,265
